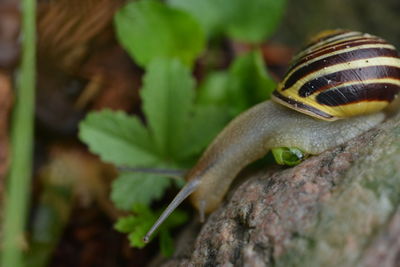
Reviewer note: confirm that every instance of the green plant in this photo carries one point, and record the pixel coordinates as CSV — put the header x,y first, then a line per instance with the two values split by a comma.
x,y
138,224
181,118
18,181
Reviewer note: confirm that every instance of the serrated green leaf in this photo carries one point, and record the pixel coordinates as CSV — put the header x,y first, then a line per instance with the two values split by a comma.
x,y
249,82
131,188
249,21
129,223
206,123
137,226
167,95
118,138
136,237
150,29
290,156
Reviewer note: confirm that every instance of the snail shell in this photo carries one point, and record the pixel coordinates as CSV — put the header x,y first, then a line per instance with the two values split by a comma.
x,y
341,74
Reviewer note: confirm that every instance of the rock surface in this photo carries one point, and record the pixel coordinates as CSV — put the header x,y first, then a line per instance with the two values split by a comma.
x,y
341,208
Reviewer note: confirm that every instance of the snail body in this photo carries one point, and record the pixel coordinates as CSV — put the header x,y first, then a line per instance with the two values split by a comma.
x,y
335,89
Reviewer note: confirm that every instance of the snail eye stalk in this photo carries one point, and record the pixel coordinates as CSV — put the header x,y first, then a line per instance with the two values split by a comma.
x,y
188,189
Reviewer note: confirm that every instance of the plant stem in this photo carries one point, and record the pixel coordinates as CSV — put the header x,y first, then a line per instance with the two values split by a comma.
x,y
18,183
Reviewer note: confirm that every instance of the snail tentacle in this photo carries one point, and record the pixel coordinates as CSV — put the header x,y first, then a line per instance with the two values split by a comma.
x,y
181,196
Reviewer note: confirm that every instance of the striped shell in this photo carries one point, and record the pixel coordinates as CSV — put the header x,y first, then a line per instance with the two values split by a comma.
x,y
341,74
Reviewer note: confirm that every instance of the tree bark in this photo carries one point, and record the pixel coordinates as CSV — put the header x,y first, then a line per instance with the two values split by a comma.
x,y
341,208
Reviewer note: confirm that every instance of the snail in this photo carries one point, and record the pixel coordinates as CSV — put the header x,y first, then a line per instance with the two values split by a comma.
x,y
336,88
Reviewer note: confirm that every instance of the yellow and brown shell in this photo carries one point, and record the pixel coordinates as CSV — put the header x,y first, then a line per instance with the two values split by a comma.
x,y
341,74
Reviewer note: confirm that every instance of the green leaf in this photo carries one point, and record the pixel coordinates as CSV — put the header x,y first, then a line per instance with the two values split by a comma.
x,y
136,237
245,84
131,188
126,224
254,20
290,156
211,14
166,243
167,96
150,29
249,82
176,218
136,226
205,124
118,138
213,89
249,21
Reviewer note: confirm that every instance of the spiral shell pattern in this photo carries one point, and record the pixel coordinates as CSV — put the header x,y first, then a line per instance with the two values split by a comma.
x,y
341,74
